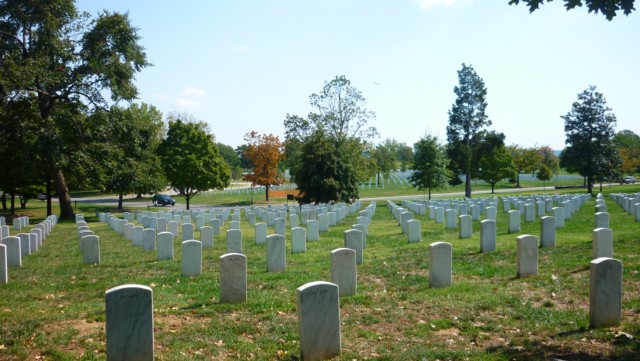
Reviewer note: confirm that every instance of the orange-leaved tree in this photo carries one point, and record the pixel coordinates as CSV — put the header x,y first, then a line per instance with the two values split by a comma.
x,y
265,153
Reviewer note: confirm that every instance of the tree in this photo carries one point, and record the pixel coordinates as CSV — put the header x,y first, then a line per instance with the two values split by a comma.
x,y
405,156
544,174
526,160
65,61
628,145
129,138
341,117
384,156
550,159
589,128
264,152
467,118
496,166
429,164
232,158
190,159
608,8
323,176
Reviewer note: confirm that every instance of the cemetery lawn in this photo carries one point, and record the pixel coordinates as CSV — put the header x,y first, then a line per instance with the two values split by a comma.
x,y
53,307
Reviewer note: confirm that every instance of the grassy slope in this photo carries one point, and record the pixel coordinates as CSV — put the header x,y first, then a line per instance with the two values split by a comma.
x,y
54,306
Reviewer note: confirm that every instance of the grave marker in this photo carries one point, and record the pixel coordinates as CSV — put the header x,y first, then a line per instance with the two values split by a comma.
x,y
319,321
165,246
129,323
233,278
191,258
90,248
344,271
527,256
440,263
605,294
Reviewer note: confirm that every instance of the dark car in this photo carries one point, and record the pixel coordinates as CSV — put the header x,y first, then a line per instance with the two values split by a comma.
x,y
163,200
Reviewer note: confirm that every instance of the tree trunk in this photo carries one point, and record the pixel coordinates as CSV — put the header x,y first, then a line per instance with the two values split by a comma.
x,y
187,198
589,186
267,192
13,203
120,196
429,193
467,184
48,188
66,210
4,201
518,180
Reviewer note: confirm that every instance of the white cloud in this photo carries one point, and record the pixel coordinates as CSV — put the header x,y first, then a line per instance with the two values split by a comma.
x,y
189,98
239,48
426,4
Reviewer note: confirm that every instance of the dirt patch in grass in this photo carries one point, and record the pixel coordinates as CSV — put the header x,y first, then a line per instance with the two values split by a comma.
x,y
82,334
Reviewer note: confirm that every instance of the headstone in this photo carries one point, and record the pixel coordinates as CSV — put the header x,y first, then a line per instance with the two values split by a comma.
x,y
487,235
261,233
529,213
191,258
14,250
233,278
319,321
25,245
136,236
605,294
323,223
4,269
90,248
414,231
234,225
451,216
271,218
353,240
276,253
492,213
404,218
216,224
602,243
280,226
149,239
33,242
298,240
313,232
440,264
165,246
475,212
514,221
344,271
293,220
527,256
465,226
601,220
439,215
362,228
129,323
234,241
558,214
547,231
206,237
187,232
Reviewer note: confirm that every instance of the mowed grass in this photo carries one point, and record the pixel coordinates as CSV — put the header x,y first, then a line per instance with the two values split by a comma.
x,y
53,306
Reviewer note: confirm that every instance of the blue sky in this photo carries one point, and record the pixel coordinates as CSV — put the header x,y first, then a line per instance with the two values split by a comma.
x,y
244,65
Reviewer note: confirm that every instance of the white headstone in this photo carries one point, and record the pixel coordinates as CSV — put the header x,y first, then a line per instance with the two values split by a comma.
x,y
90,248
319,321
313,232
233,278
298,240
187,232
514,221
149,239
527,256
191,258
353,239
487,235
276,253
547,231
344,271
261,233
234,241
465,226
4,269
129,323
602,243
440,264
165,246
414,231
14,250
206,236
605,295
601,220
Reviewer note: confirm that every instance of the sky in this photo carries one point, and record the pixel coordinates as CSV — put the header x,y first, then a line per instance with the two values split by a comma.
x,y
243,65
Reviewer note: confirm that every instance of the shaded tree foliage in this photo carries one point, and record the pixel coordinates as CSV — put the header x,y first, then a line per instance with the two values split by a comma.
x,y
628,145
609,8
589,128
232,158
496,166
525,160
544,174
191,160
65,61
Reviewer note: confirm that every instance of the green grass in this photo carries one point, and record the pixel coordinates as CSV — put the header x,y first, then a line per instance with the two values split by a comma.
x,y
53,306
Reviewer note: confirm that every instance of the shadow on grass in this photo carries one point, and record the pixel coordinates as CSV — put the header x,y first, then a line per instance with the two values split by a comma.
x,y
622,349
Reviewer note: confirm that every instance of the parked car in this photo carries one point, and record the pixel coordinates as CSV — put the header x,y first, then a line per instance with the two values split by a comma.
x,y
163,200
628,180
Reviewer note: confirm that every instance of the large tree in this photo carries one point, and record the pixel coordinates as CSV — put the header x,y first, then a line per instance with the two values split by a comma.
x,y
608,8
467,118
589,128
60,58
323,176
341,116
191,160
264,152
385,155
550,159
429,164
232,158
129,139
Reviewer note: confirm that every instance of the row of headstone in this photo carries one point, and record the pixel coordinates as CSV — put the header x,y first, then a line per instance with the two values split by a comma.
x,y
630,203
89,242
13,249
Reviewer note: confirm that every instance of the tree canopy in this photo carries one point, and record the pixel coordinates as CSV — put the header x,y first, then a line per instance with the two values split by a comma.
x,y
429,164
467,118
496,165
628,145
609,8
525,160
264,152
190,159
589,129
63,61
